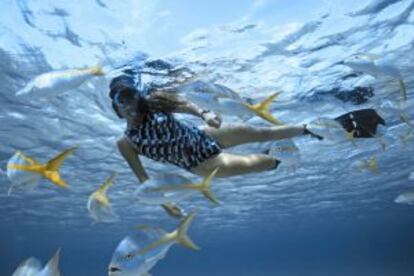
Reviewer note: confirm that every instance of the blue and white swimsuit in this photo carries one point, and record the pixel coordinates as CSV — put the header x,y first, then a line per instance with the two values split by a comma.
x,y
162,138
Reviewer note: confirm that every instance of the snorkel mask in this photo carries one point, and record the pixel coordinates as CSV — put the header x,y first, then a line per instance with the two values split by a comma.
x,y
127,100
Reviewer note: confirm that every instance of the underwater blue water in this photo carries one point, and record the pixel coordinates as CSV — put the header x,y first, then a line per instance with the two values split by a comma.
x,y
326,218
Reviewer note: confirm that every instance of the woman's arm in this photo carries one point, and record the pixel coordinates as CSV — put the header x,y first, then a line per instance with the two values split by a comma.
x,y
211,118
176,104
187,107
131,156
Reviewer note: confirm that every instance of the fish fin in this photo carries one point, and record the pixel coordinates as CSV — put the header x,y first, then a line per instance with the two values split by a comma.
x,y
403,89
51,170
182,237
372,164
369,165
56,162
53,263
100,194
31,264
204,187
262,109
26,158
96,70
179,235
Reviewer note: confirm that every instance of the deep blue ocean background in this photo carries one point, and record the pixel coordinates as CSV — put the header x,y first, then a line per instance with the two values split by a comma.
x,y
326,218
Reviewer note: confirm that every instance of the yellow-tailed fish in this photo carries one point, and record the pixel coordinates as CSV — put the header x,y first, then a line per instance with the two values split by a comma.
x,y
33,267
376,65
25,172
330,129
223,100
54,83
138,253
262,109
287,152
99,206
168,188
215,97
369,165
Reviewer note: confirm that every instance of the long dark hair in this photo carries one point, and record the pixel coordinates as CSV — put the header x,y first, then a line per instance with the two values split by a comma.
x,y
158,99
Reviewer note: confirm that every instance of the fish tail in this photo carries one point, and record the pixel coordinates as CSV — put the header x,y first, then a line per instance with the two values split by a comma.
x,y
262,109
96,70
51,169
182,237
403,89
372,164
26,158
100,194
204,187
53,263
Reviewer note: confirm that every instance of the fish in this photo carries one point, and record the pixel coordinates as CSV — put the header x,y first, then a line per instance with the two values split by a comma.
x,y
25,172
330,129
262,109
168,188
287,152
99,206
368,165
33,267
54,83
138,253
215,91
375,66
405,198
223,100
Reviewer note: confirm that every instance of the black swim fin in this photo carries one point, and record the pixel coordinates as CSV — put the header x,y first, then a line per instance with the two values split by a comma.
x,y
363,122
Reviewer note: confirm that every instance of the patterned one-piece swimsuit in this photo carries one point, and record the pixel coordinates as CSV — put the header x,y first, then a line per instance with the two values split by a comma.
x,y
162,138
159,136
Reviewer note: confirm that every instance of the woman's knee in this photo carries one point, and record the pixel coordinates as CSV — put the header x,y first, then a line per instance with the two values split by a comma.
x,y
230,165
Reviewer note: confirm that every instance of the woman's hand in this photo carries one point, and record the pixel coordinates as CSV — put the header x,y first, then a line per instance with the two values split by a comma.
x,y
211,119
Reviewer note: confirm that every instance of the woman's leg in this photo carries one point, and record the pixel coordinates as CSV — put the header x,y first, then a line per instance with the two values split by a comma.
x,y
231,164
236,134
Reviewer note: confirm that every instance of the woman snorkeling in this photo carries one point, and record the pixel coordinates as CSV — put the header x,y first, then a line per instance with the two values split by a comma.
x,y
154,132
